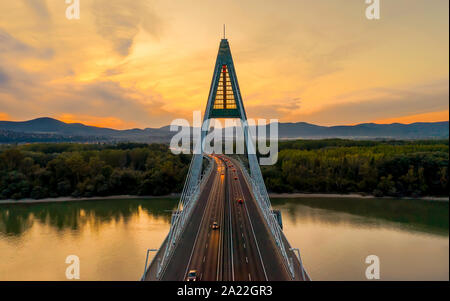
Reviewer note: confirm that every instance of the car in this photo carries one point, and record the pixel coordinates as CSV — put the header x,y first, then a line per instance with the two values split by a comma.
x,y
235,178
192,275
215,226
240,201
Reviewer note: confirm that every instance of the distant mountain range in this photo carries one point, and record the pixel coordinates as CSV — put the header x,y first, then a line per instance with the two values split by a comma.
x,y
52,130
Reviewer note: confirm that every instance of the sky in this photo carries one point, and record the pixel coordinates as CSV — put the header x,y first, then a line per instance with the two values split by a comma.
x,y
144,63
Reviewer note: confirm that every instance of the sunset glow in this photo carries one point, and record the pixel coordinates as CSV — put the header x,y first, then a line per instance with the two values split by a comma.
x,y
143,63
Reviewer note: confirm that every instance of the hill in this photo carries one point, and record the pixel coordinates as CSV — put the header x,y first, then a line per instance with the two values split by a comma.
x,y
52,130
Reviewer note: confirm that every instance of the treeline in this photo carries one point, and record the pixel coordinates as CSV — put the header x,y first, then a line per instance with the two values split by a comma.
x,y
84,170
382,168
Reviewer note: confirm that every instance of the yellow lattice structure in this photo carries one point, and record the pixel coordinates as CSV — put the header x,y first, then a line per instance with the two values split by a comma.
x,y
224,96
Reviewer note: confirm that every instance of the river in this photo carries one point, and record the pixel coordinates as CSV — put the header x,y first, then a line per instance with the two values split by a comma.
x,y
110,237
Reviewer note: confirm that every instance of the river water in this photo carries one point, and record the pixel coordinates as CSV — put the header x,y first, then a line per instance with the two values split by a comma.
x,y
110,237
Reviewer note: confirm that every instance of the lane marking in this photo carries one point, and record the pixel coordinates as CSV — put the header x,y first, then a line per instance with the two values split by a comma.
x,y
219,268
256,242
206,246
231,237
246,259
250,221
200,225
204,258
249,277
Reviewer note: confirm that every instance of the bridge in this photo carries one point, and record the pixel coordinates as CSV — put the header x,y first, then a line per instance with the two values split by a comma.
x,y
224,227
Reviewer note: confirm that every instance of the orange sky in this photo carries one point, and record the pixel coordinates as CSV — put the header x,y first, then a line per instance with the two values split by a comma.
x,y
426,117
143,63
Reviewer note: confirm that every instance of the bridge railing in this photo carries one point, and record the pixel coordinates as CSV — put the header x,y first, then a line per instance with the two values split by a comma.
x,y
188,199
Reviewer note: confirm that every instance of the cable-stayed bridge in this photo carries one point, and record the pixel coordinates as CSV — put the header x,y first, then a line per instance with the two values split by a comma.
x,y
224,228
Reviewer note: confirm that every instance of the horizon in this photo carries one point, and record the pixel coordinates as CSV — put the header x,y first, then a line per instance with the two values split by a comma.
x,y
152,61
290,122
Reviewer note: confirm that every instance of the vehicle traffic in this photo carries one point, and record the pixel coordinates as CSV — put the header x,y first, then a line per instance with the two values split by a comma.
x,y
192,275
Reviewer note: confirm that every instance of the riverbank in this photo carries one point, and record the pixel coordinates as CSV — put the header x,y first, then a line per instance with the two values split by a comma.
x,y
175,196
351,196
71,199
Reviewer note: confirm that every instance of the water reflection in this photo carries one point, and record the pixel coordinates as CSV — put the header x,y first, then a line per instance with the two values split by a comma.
x,y
409,215
17,219
334,235
109,236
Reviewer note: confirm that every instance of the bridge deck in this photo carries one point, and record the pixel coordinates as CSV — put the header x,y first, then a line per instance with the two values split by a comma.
x,y
242,249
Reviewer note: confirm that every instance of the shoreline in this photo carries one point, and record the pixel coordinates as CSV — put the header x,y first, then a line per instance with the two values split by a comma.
x,y
72,199
351,196
176,196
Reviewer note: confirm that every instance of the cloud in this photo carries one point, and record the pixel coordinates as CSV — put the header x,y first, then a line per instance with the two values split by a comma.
x,y
39,7
276,110
120,22
95,102
362,106
11,45
3,78
145,64
388,103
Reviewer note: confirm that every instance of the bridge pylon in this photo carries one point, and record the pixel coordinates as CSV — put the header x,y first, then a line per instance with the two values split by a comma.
x,y
224,101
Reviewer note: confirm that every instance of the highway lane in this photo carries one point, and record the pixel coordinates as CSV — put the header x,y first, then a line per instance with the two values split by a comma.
x,y
231,252
176,268
247,258
270,253
242,249
206,256
226,260
235,252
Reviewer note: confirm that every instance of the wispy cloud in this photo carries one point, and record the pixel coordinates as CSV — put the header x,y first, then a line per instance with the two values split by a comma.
x,y
120,21
39,7
11,45
146,62
387,104
3,77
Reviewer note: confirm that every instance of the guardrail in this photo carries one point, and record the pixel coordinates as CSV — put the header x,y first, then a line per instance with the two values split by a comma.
x,y
146,261
188,199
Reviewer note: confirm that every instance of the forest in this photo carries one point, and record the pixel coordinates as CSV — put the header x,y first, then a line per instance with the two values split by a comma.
x,y
84,170
381,168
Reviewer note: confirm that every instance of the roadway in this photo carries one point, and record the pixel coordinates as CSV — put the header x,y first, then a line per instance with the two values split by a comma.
x,y
242,249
